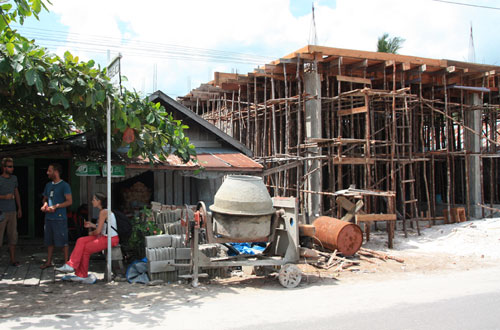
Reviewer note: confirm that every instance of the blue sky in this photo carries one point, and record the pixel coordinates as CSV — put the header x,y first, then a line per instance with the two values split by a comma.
x,y
188,40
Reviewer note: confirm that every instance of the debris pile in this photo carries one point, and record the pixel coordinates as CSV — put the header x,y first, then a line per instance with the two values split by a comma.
x,y
334,262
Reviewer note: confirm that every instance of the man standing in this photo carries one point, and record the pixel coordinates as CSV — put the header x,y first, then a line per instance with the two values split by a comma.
x,y
56,198
9,197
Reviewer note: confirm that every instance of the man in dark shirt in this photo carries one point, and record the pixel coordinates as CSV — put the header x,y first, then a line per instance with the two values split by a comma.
x,y
9,197
56,198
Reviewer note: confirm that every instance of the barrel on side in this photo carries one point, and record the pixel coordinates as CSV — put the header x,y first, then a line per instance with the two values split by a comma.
x,y
343,236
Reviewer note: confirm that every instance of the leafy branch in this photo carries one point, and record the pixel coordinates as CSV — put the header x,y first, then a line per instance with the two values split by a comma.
x,y
44,97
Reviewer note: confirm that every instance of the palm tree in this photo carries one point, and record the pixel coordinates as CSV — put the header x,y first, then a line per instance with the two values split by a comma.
x,y
389,45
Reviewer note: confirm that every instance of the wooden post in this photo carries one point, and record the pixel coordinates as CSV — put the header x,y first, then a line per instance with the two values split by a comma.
x,y
256,125
264,130
393,139
287,113
273,110
232,115
299,126
424,170
247,139
240,119
448,140
275,142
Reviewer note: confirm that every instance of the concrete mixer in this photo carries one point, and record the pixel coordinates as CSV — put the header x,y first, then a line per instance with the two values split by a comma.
x,y
243,211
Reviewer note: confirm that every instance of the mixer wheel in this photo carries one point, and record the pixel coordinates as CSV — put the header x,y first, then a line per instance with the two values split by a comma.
x,y
290,276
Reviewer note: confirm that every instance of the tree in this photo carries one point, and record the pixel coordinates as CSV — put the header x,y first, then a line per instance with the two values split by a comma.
x,y
44,97
389,45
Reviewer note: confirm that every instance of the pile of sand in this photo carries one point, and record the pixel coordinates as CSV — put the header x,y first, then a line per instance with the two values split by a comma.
x,y
472,238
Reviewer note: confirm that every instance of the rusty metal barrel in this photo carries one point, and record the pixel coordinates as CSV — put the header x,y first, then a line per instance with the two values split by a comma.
x,y
343,236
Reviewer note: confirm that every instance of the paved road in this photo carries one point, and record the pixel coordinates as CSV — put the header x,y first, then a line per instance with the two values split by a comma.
x,y
460,300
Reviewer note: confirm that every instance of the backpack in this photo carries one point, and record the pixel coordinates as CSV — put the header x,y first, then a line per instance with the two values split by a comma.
x,y
124,229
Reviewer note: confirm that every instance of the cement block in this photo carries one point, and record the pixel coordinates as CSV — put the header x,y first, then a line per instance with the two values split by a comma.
x,y
161,266
158,241
183,253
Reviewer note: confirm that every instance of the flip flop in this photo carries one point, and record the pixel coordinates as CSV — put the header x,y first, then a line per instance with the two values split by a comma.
x,y
15,264
43,266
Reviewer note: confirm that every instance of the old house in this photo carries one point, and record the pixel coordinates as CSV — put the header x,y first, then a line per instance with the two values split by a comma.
x,y
136,182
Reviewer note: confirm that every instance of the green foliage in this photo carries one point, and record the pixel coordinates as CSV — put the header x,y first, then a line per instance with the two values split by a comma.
x,y
142,226
19,10
45,97
389,45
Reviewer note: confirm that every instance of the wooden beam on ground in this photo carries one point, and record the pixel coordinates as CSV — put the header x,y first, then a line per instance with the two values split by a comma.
x,y
346,204
375,217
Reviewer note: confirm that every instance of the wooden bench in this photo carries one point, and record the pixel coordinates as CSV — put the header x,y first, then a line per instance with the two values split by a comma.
x,y
367,219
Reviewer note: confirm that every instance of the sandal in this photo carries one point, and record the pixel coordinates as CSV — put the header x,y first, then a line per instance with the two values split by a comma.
x,y
43,266
15,264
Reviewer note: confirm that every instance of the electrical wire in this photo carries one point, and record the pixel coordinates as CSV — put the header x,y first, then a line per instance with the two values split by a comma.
x,y
467,4
129,47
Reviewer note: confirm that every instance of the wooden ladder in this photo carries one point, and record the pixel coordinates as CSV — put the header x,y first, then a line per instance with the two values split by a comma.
x,y
404,153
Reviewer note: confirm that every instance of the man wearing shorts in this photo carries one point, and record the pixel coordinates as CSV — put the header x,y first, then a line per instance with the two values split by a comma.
x,y
56,198
9,198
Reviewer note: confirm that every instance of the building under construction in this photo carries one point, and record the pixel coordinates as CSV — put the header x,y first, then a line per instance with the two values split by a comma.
x,y
419,133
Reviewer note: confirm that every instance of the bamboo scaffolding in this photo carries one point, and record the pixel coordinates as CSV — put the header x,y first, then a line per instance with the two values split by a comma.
x,y
407,125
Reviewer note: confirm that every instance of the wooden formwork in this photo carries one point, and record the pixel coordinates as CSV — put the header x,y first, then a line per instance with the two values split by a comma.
x,y
388,122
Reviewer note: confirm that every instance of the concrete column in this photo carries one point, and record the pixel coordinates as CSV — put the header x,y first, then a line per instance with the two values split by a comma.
x,y
472,144
313,129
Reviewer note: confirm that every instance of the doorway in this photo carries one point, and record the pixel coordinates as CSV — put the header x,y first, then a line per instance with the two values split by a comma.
x,y
21,172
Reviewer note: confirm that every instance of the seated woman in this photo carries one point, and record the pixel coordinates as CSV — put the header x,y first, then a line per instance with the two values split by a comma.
x,y
87,245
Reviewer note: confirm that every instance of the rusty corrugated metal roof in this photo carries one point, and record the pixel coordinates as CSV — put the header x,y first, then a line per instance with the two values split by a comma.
x,y
211,161
238,160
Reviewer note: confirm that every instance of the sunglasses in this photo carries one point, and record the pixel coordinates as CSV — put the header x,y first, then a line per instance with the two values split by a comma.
x,y
9,166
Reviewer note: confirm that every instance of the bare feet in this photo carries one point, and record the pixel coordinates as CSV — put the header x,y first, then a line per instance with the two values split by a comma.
x,y
46,265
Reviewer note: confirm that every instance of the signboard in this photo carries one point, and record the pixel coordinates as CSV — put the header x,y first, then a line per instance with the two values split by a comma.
x,y
114,72
88,169
117,171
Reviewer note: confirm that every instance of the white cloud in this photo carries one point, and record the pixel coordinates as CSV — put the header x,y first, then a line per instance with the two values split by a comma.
x,y
262,27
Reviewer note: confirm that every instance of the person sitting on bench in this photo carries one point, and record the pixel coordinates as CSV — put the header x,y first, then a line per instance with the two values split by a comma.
x,y
87,245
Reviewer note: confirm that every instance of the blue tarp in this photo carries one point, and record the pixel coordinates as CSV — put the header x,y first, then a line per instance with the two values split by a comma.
x,y
137,271
246,248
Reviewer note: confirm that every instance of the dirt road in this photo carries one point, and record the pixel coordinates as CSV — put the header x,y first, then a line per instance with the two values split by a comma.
x,y
441,253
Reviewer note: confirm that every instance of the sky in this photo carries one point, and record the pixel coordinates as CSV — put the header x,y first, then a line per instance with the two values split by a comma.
x,y
174,46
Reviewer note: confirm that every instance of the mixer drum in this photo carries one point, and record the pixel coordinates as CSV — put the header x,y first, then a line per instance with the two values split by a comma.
x,y
242,209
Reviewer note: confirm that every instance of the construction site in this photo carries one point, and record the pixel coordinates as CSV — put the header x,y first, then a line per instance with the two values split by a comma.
x,y
415,139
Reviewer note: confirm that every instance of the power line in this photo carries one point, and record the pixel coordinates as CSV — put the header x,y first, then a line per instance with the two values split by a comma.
x,y
99,44
467,4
